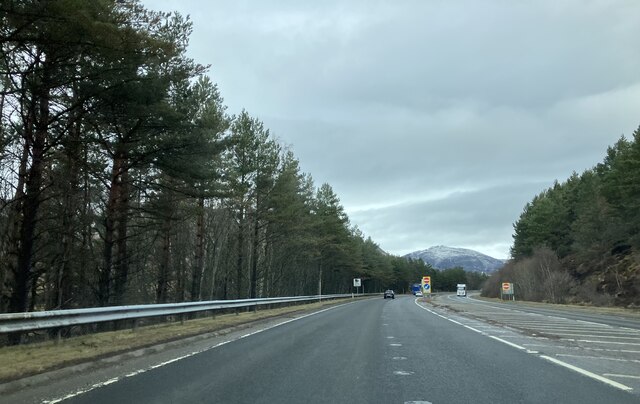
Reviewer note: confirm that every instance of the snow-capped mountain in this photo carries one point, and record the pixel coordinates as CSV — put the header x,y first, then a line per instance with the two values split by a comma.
x,y
443,257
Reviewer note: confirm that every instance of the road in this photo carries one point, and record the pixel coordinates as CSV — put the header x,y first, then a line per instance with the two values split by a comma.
x,y
592,342
571,312
371,351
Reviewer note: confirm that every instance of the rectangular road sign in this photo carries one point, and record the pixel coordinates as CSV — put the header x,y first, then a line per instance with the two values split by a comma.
x,y
357,282
426,284
507,288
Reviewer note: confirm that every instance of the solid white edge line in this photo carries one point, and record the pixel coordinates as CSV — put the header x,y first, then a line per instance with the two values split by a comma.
x,y
140,371
550,359
473,329
508,343
587,373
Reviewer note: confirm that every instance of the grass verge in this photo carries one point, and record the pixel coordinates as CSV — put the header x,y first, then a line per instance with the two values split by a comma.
x,y
28,360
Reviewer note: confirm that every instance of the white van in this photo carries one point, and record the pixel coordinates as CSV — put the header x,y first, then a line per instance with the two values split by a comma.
x,y
462,289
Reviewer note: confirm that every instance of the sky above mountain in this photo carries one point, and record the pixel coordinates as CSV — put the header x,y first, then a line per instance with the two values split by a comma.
x,y
434,121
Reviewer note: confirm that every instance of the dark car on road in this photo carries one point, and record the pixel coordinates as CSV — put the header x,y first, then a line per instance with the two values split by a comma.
x,y
389,293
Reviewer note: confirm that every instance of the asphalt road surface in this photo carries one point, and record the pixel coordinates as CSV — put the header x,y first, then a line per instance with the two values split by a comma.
x,y
370,351
569,312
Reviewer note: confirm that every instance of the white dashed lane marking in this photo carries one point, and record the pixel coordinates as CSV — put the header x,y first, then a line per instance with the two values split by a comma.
x,y
139,371
623,376
403,373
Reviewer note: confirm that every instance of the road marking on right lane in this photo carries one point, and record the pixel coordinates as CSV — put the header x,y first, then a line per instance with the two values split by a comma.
x,y
587,373
604,358
600,342
585,348
624,376
597,336
548,358
481,303
554,330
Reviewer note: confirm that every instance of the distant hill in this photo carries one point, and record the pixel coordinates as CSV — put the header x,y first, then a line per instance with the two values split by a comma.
x,y
443,257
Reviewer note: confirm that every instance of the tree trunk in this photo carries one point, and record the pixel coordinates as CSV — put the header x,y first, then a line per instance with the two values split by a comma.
x,y
87,231
35,133
266,272
110,225
122,256
163,270
14,222
198,268
62,291
219,249
254,256
213,264
319,279
240,259
19,300
181,284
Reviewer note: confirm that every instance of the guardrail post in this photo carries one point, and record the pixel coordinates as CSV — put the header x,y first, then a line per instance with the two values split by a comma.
x,y
58,337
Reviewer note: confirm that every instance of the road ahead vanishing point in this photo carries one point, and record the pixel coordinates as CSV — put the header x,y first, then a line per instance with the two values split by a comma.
x,y
382,351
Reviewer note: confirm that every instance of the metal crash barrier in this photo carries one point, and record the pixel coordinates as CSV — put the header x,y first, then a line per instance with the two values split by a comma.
x,y
40,320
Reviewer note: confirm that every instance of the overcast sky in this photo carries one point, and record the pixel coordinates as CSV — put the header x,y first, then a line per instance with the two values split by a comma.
x,y
434,121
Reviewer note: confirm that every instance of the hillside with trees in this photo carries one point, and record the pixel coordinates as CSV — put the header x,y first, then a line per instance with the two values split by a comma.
x,y
580,239
124,179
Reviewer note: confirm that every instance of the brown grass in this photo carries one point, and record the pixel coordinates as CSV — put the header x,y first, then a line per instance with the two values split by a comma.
x,y
26,360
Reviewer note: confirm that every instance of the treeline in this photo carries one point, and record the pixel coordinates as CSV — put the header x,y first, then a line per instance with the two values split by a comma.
x,y
124,179
580,240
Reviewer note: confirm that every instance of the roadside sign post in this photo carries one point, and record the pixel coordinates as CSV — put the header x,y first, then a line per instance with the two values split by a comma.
x,y
507,290
357,282
426,285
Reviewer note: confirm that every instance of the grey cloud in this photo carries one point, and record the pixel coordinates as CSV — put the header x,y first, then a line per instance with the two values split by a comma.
x,y
465,219
395,103
429,53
